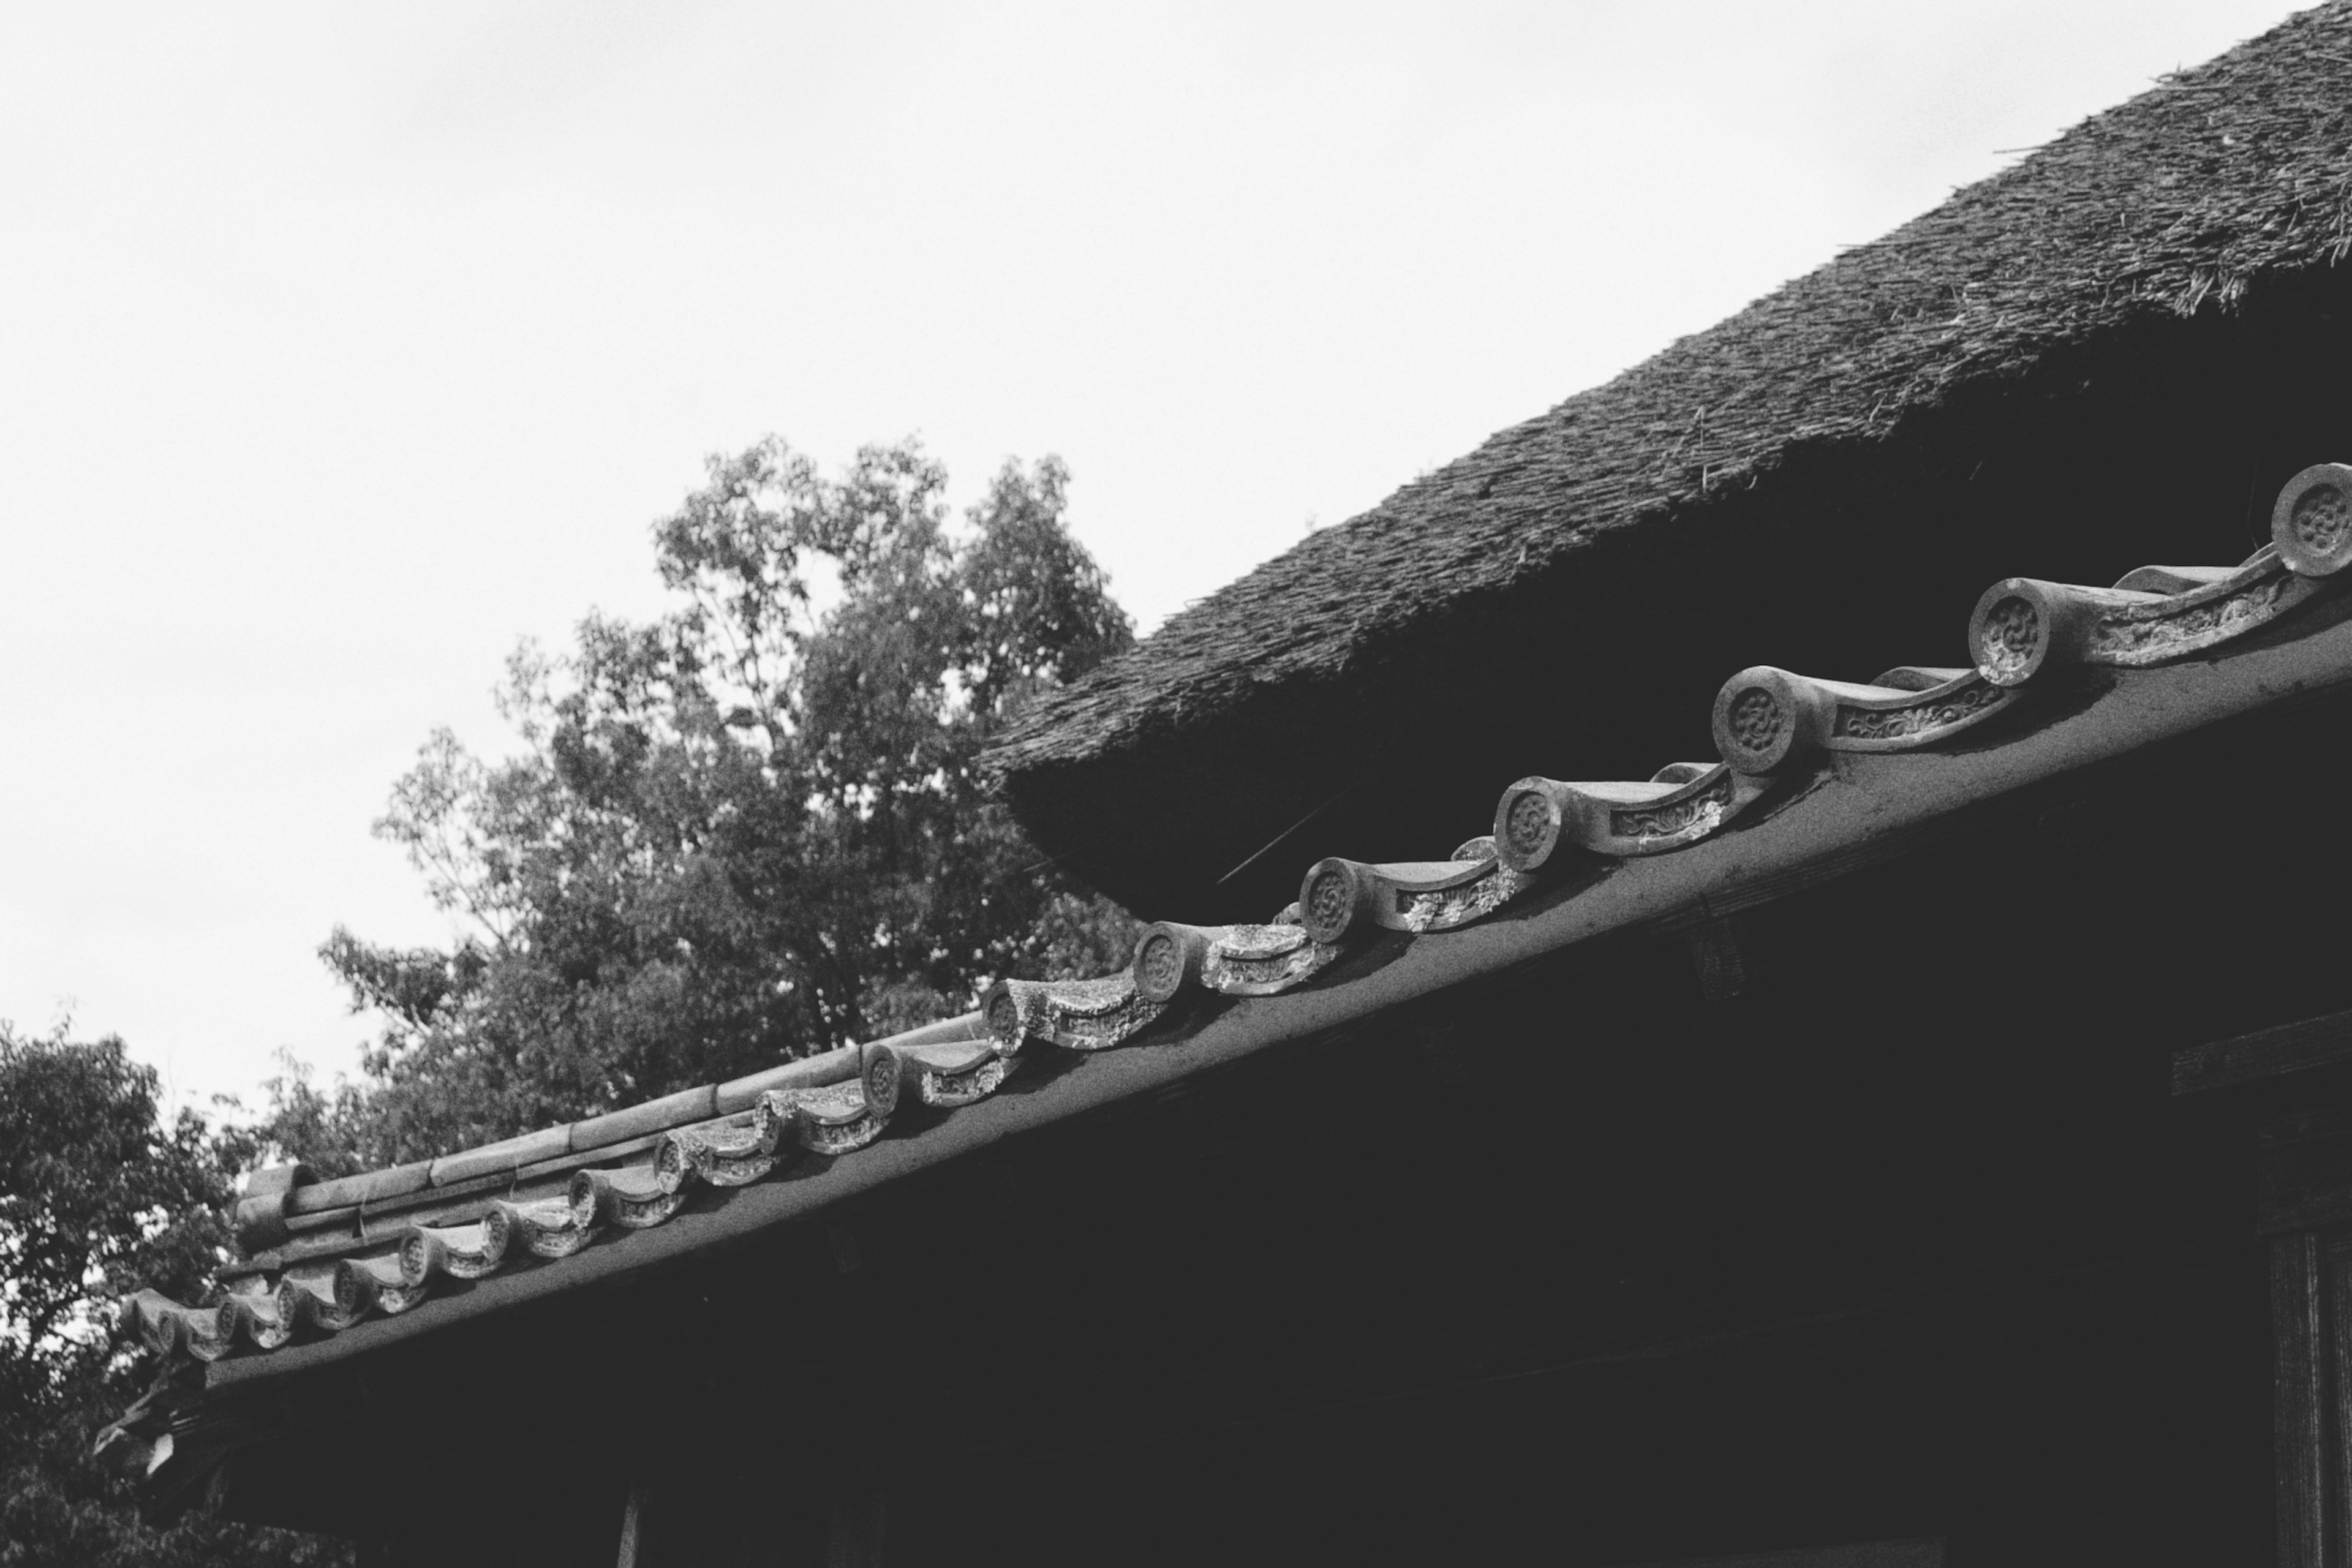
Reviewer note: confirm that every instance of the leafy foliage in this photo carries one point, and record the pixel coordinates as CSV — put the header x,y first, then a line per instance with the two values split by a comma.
x,y
98,1197
750,829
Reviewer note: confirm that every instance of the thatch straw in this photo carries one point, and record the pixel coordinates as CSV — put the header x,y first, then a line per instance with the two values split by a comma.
x,y
2082,271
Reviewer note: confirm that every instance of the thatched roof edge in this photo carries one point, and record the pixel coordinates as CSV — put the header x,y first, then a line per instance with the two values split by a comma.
x,y
2171,205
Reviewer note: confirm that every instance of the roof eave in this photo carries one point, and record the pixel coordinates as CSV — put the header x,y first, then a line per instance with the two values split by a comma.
x,y
1857,811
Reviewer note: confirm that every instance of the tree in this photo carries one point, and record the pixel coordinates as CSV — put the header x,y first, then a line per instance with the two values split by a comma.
x,y
99,1197
750,829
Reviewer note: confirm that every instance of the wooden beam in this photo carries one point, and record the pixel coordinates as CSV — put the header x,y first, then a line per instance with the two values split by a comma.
x,y
1928,1552
2266,1053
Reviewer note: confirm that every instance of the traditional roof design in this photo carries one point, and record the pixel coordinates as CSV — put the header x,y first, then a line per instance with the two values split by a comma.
x,y
2041,372
1802,786
2015,371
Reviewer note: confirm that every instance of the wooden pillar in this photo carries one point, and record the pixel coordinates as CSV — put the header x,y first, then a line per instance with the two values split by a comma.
x,y
2304,1186
2295,1083
681,1522
2299,1400
2304,1182
858,1532
635,1528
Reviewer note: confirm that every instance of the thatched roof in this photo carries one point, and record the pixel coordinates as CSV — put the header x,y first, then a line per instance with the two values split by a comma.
x,y
2097,353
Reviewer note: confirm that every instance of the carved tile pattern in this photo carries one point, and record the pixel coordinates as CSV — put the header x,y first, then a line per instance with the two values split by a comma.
x,y
1260,944
1162,964
833,1102
338,1294
167,1326
724,1157
733,1171
462,1252
209,1334
882,1079
1528,821
269,1316
2322,519
1259,960
1757,719
771,1120
2012,633
832,1120
548,1226
1693,817
1897,723
1081,1015
1327,901
2146,634
417,1264
948,1090
1459,906
840,1137
1096,1030
635,1213
1008,1019
1087,998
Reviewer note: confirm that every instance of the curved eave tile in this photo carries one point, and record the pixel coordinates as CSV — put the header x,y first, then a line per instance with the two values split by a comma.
x,y
1863,805
1718,836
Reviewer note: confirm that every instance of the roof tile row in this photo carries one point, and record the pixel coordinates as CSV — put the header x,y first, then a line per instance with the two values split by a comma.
x,y
378,1243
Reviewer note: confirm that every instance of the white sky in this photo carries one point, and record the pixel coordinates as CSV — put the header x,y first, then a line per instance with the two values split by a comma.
x,y
341,347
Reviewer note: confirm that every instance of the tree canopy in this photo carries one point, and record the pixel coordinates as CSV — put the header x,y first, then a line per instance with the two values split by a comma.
x,y
747,830
98,1196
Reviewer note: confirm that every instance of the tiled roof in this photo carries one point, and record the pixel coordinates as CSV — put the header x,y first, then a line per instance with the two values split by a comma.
x,y
1802,778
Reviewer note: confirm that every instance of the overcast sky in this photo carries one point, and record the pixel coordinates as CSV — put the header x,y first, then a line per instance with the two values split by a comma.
x,y
341,347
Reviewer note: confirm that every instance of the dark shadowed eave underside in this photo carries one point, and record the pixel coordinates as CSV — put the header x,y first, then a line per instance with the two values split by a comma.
x,y
2107,349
